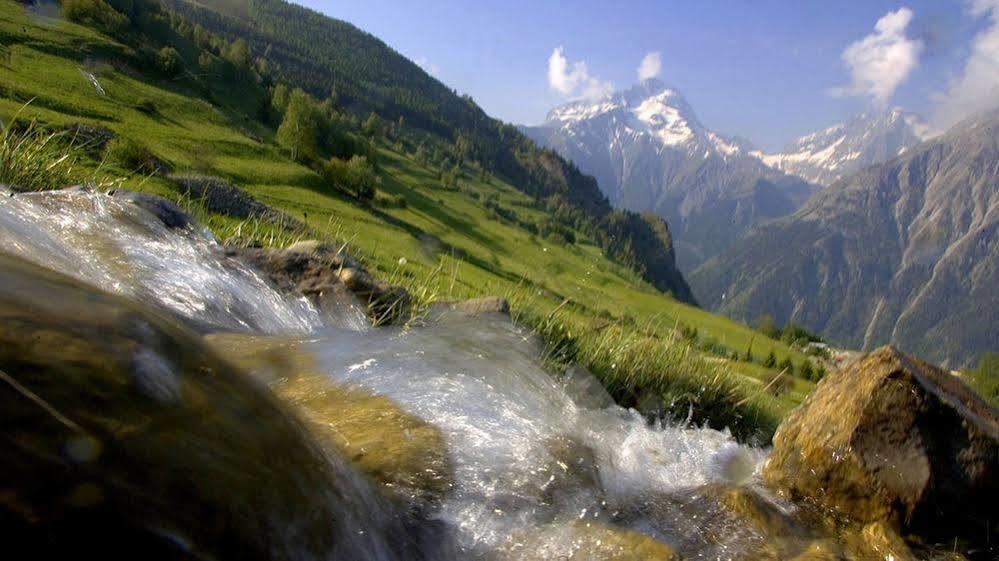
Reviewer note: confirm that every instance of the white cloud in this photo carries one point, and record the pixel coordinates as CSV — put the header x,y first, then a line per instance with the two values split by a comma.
x,y
976,88
651,65
882,60
574,79
427,66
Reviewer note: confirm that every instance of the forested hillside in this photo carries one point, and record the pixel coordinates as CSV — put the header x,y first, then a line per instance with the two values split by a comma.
x,y
357,73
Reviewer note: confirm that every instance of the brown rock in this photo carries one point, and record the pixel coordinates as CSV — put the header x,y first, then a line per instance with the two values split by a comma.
x,y
125,437
891,438
405,455
321,272
590,541
484,305
877,541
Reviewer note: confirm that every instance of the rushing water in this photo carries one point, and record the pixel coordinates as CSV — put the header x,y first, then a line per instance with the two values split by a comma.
x,y
115,245
527,453
534,457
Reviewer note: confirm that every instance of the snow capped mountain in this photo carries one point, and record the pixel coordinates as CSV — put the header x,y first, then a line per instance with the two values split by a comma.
x,y
649,152
871,138
648,109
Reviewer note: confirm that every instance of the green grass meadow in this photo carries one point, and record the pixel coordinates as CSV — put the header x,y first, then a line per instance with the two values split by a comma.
x,y
442,243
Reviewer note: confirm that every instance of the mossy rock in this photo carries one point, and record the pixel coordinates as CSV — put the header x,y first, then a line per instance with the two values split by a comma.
x,y
875,542
588,541
893,439
404,454
125,437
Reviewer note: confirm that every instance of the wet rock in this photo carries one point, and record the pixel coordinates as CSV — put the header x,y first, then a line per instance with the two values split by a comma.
x,y
484,305
574,476
892,439
877,541
585,389
405,455
820,551
169,213
324,274
124,437
590,541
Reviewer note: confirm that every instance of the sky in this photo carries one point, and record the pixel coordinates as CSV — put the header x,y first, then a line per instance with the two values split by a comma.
x,y
765,70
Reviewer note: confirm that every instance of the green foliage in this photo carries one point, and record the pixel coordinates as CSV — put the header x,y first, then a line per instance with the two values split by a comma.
x,y
771,360
299,128
487,257
794,334
132,157
325,56
95,13
170,62
786,365
806,371
984,378
356,176
32,159
765,325
238,54
390,201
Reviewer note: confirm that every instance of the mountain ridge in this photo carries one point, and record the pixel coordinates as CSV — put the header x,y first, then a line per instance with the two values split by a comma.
x,y
649,152
829,154
904,252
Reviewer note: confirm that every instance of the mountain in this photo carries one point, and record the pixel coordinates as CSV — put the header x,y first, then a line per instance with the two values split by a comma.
x,y
840,150
359,74
649,152
906,252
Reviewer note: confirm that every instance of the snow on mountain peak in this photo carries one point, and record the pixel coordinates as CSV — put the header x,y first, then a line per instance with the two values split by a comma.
x,y
826,155
649,108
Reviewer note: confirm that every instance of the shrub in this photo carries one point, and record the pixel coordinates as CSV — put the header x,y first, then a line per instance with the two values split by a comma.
x,y
771,360
145,106
806,371
797,335
169,61
133,156
390,201
688,333
985,378
356,176
786,365
95,13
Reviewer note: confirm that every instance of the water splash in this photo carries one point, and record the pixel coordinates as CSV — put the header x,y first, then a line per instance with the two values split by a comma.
x,y
117,246
526,454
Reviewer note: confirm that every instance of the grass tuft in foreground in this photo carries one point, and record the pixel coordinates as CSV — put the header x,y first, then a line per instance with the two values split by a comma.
x,y
32,159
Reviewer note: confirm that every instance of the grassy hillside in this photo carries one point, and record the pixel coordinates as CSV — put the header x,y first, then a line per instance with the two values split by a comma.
x,y
441,242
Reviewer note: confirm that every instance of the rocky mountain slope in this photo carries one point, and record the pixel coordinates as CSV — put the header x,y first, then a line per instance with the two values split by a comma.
x,y
649,152
840,150
906,252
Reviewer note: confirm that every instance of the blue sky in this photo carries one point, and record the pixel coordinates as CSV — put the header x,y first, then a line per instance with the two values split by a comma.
x,y
761,69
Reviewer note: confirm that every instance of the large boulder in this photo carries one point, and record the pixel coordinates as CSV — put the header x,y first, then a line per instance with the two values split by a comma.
x,y
893,439
125,437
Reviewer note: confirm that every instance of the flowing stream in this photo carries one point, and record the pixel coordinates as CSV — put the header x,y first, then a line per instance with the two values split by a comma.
x,y
537,458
